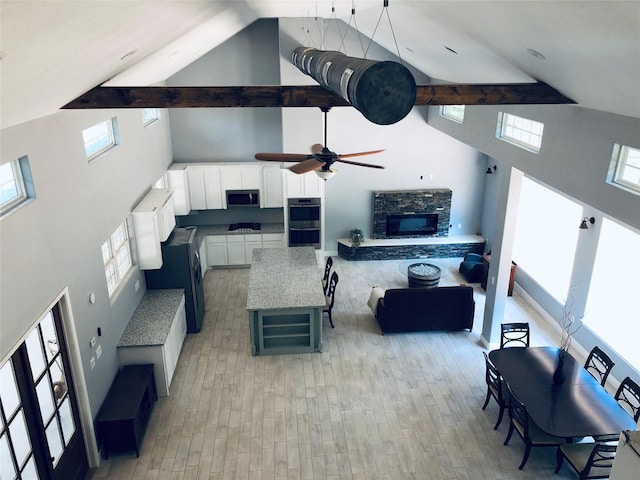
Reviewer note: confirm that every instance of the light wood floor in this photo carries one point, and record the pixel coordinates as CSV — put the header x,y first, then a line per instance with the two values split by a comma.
x,y
403,406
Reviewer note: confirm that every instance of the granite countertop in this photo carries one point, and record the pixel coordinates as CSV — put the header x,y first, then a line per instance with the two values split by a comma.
x,y
151,322
283,278
224,229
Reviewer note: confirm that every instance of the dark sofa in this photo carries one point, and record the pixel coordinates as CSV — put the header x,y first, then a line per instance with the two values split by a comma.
x,y
423,309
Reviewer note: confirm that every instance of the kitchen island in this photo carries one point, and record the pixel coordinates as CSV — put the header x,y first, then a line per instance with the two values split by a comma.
x,y
285,301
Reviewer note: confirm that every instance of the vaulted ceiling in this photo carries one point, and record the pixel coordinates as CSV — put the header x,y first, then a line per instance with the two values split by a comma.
x,y
53,51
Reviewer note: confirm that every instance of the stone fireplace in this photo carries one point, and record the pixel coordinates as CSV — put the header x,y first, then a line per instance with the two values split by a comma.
x,y
411,213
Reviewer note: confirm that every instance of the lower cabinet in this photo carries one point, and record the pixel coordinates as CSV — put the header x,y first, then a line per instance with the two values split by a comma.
x,y
127,409
224,250
164,357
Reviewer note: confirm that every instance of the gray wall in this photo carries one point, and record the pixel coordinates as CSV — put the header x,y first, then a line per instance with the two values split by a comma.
x,y
230,134
54,242
574,160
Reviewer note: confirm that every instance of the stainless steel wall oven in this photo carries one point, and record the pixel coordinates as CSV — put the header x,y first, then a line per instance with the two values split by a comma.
x,y
304,222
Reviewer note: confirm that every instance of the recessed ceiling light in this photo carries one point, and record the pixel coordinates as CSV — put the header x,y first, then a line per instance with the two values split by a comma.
x,y
128,54
450,49
535,54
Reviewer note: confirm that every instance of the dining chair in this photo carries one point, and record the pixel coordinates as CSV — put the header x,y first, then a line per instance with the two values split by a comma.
x,y
589,460
514,334
496,388
531,434
599,365
628,397
327,273
330,296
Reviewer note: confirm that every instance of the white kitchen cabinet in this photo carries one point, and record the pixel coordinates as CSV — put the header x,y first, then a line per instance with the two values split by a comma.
x,y
251,241
235,250
217,250
272,195
178,182
302,186
164,356
272,240
245,177
205,188
153,221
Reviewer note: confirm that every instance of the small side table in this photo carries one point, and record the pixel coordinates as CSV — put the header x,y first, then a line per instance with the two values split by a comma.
x,y
512,275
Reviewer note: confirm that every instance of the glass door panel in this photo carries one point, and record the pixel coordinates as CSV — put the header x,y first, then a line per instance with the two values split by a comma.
x,y
16,453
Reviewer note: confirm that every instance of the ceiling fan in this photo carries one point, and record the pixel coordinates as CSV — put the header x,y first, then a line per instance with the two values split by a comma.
x,y
320,159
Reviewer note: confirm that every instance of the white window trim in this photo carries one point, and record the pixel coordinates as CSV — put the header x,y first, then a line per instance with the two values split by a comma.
x,y
24,186
618,163
448,114
111,262
153,119
112,128
503,125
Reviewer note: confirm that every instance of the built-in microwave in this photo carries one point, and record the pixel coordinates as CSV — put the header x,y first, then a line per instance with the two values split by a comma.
x,y
243,198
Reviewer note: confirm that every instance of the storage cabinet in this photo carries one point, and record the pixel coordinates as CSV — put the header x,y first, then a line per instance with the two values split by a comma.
x,y
272,195
301,186
179,183
251,242
272,240
217,250
246,177
127,409
164,357
153,221
275,332
235,250
205,188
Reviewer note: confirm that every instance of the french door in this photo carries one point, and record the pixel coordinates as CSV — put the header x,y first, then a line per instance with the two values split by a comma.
x,y
40,432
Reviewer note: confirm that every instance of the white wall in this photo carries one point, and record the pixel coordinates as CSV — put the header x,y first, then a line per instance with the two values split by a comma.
x,y
54,241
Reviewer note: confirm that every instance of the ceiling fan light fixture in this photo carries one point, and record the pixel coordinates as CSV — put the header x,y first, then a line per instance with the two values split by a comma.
x,y
326,174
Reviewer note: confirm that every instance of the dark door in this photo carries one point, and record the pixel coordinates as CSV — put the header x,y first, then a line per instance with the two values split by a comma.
x,y
41,437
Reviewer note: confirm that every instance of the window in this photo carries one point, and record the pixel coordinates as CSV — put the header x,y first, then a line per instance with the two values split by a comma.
x,y
613,302
453,112
521,132
624,170
100,138
116,255
150,115
546,237
16,185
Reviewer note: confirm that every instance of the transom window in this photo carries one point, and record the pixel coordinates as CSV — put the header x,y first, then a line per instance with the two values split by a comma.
x,y
519,131
453,112
15,184
150,115
116,255
625,168
100,138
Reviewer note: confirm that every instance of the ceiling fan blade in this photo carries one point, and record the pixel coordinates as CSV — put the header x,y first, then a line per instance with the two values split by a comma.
x,y
306,166
316,148
358,154
283,157
351,162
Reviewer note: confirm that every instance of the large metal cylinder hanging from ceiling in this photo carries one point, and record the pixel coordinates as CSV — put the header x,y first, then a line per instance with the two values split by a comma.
x,y
384,92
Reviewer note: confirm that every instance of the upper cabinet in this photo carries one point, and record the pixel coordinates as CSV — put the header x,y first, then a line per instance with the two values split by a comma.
x,y
301,186
179,184
153,221
205,187
244,177
271,193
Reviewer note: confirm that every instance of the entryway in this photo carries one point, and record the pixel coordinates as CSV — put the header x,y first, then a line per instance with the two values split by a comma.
x,y
41,436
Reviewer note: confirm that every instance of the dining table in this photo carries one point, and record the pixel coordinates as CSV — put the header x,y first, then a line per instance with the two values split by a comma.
x,y
577,407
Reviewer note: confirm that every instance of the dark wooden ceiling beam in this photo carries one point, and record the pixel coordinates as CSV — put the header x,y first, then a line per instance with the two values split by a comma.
x,y
489,94
306,96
